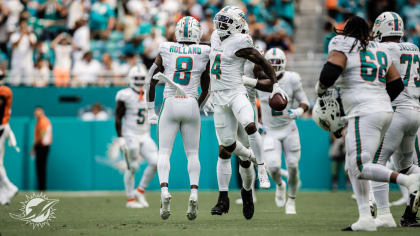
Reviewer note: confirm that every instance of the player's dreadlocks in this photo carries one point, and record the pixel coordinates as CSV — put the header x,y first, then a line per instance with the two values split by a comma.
x,y
358,28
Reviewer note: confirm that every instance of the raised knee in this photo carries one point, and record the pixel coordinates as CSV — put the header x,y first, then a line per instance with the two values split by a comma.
x,y
251,128
223,153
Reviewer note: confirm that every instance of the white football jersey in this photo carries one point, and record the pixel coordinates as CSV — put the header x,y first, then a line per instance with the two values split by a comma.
x,y
249,72
406,58
362,88
135,117
292,85
184,63
226,68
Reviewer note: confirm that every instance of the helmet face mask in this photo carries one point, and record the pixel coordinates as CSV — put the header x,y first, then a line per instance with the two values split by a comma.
x,y
277,59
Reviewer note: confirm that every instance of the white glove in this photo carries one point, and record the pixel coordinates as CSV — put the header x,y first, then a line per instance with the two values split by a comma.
x,y
122,144
12,140
153,118
249,81
295,113
208,107
277,89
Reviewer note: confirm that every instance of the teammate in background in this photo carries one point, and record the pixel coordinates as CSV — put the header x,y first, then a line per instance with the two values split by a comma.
x,y
389,30
134,139
230,49
370,82
7,188
282,132
184,66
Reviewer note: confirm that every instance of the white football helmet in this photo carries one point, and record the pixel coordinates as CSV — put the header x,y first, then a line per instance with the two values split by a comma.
x,y
228,21
188,29
388,24
326,112
277,59
137,76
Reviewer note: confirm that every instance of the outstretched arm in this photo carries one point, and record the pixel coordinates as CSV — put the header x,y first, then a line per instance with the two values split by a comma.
x,y
157,67
254,56
205,84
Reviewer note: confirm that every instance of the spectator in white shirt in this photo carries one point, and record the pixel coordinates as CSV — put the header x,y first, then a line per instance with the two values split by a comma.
x,y
22,43
62,50
86,71
81,40
41,73
109,72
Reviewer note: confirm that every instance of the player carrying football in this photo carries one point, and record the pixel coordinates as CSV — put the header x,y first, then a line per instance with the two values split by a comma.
x,y
133,130
184,66
282,132
401,134
230,49
7,188
370,82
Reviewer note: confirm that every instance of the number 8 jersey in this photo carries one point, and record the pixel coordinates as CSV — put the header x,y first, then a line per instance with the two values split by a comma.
x,y
184,64
135,117
362,87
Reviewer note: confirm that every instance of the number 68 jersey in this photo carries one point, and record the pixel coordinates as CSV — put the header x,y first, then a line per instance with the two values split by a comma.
x,y
362,87
184,64
135,117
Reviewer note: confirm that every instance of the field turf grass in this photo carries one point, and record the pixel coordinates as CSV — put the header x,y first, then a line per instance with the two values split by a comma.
x,y
319,213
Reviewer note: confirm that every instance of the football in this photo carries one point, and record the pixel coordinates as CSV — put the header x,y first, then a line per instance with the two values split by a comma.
x,y
277,102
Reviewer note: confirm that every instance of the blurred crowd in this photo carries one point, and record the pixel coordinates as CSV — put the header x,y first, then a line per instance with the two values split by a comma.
x,y
339,11
96,42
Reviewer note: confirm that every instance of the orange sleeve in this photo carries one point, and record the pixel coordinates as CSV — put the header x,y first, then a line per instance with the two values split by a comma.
x,y
6,106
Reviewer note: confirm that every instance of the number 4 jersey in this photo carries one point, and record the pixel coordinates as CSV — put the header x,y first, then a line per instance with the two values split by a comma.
x,y
405,57
135,117
184,63
362,87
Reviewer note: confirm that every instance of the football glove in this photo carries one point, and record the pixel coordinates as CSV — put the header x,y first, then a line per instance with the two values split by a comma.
x,y
277,89
295,113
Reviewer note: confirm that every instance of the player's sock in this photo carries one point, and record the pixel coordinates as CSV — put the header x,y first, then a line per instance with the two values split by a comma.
x,y
242,152
247,175
193,167
148,175
224,172
129,184
376,172
275,173
163,166
361,191
255,141
164,190
381,193
194,191
293,180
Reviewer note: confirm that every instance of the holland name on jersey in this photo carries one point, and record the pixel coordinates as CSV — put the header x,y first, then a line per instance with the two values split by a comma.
x,y
185,50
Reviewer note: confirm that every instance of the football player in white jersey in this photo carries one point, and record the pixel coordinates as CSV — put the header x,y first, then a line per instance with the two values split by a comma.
x,y
282,133
230,49
133,130
184,65
370,82
389,30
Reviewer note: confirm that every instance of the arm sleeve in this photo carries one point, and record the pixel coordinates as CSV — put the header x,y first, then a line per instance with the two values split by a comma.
x,y
300,94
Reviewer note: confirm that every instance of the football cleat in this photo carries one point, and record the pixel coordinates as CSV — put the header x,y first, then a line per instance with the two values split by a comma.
x,y
409,219
413,189
385,221
132,203
263,177
248,204
290,206
141,198
165,208
192,207
222,205
280,196
363,224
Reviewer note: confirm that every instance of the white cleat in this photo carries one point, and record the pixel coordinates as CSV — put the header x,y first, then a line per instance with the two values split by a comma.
x,y
192,210
133,204
363,224
280,196
165,208
141,198
263,177
290,206
385,221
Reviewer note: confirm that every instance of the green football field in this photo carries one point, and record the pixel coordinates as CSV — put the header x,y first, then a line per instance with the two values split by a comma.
x,y
319,213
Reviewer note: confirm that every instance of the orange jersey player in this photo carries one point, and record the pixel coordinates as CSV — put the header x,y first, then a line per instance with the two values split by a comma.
x,y
7,188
